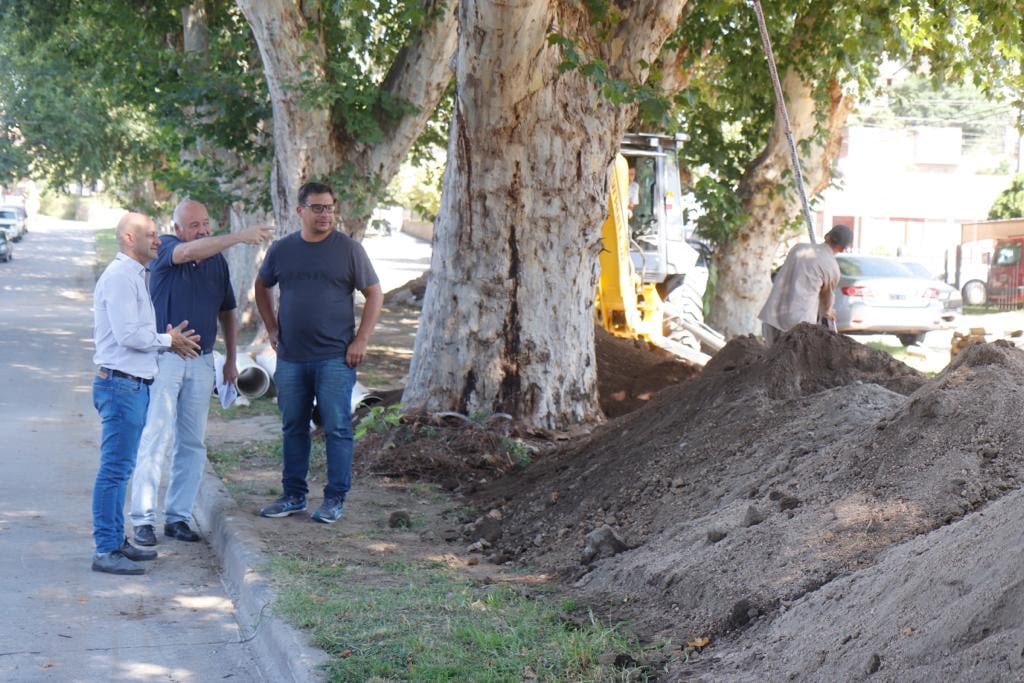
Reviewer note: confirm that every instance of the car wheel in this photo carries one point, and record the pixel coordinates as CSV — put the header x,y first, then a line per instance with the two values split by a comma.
x,y
910,339
975,293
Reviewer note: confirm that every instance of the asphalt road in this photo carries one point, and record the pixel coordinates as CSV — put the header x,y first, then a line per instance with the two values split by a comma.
x,y
61,621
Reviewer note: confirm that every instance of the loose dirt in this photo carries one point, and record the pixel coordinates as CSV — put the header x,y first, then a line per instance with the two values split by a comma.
x,y
740,494
817,510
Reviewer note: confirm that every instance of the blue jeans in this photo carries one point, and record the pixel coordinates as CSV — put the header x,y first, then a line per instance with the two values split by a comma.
x,y
330,382
179,404
122,405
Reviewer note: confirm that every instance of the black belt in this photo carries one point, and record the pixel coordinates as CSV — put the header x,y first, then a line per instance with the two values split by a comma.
x,y
125,375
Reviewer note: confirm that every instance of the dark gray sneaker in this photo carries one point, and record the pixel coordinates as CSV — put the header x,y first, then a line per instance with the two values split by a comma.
x,y
115,562
329,511
136,554
284,506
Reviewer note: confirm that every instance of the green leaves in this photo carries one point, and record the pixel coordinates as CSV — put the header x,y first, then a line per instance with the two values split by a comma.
x,y
362,40
105,91
1010,202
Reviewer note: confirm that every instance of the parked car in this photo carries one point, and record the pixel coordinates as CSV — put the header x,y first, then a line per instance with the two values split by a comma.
x,y
878,295
12,222
1006,275
952,300
6,248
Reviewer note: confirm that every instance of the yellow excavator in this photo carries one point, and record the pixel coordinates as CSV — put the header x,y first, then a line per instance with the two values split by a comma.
x,y
651,286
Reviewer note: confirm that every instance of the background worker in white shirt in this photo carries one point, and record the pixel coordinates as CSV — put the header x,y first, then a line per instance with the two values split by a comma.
x,y
126,347
804,289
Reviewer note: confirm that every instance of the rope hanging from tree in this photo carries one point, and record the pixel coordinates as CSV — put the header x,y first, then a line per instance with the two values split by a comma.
x,y
781,103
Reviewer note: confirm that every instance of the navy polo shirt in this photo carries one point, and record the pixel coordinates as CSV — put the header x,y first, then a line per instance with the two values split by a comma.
x,y
196,292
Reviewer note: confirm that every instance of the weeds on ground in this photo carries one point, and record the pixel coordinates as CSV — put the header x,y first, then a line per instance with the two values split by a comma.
x,y
422,623
517,451
897,352
378,420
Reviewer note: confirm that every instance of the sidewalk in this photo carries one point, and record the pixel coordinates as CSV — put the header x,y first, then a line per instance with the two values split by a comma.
x,y
62,621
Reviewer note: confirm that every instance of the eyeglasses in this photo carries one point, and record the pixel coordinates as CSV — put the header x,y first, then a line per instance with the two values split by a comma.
x,y
320,208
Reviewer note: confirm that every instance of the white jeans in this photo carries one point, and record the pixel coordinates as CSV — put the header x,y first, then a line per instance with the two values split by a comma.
x,y
179,403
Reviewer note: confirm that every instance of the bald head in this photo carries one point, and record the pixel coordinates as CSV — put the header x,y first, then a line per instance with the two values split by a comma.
x,y
191,220
137,238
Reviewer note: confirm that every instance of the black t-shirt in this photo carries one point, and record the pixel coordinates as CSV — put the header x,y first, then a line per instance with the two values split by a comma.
x,y
317,279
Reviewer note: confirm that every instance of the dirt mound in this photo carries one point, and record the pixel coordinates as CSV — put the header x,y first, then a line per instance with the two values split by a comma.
x,y
767,476
944,606
808,359
629,375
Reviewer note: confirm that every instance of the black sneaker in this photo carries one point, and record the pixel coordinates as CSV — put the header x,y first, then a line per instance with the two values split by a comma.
x,y
136,554
144,534
284,506
329,511
115,562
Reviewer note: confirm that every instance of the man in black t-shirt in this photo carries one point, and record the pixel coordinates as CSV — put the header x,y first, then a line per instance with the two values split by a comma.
x,y
317,343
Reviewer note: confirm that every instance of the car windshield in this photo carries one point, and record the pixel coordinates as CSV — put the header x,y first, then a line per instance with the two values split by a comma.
x,y
871,266
918,269
9,215
1007,254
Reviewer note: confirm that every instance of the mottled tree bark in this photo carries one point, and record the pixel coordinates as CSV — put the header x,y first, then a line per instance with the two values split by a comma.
x,y
307,144
507,322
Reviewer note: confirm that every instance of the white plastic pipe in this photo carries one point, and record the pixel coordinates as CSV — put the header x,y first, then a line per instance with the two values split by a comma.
x,y
253,380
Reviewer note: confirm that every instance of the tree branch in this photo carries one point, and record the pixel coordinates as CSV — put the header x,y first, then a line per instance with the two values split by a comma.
x,y
420,74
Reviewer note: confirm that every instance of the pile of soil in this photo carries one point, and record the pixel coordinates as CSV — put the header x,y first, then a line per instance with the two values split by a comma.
x,y
729,497
630,373
461,455
457,453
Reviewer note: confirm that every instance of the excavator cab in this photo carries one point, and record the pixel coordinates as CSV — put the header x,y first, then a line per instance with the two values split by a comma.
x,y
647,289
657,231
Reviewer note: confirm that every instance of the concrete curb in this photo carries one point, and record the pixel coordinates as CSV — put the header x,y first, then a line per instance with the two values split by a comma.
x,y
284,652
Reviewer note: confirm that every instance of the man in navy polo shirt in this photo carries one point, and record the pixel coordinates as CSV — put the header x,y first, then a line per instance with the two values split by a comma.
x,y
188,279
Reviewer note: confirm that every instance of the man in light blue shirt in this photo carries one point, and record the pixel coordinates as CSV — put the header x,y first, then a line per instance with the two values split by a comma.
x,y
126,347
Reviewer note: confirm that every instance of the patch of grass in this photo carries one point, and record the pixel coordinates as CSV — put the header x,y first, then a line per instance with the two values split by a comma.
x,y
226,461
982,310
424,624
105,243
898,352
256,407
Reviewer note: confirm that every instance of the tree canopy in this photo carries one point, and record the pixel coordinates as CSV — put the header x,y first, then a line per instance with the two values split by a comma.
x,y
104,91
1010,202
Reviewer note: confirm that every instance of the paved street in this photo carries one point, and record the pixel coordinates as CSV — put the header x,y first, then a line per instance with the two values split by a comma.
x,y
62,621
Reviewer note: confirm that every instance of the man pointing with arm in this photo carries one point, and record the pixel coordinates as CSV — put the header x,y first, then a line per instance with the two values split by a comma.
x,y
189,279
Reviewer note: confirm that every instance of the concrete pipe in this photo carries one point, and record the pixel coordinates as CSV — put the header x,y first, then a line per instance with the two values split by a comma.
x,y
361,396
253,381
266,358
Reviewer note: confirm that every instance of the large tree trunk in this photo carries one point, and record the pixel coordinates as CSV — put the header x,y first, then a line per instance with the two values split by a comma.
x,y
307,145
242,259
303,144
770,202
507,323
